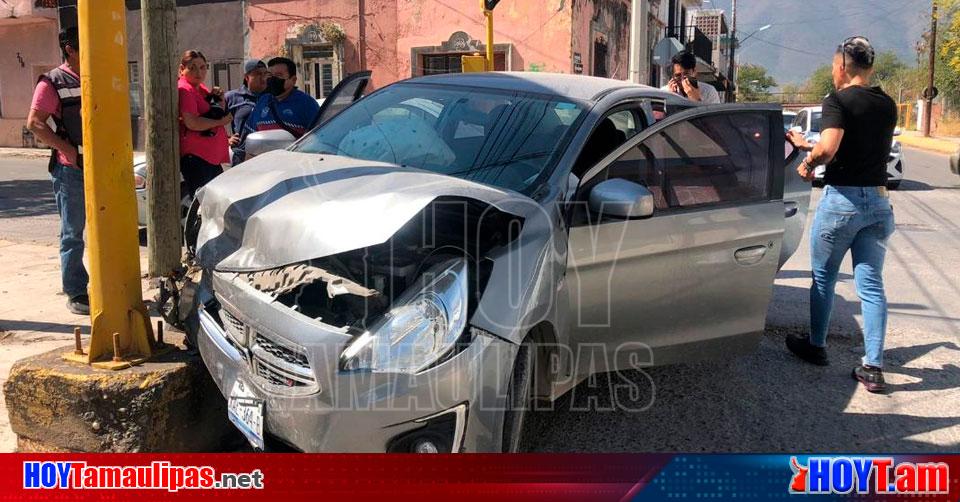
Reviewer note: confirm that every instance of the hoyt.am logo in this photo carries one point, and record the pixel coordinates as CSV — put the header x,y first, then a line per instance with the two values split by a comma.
x,y
879,475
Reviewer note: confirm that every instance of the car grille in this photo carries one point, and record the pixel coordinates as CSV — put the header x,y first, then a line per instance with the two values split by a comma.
x,y
279,367
281,352
234,327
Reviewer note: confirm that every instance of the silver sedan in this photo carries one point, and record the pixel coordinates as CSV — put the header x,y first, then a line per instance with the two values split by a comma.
x,y
417,272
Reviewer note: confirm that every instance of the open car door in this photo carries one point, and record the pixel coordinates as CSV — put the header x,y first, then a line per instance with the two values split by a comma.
x,y
348,91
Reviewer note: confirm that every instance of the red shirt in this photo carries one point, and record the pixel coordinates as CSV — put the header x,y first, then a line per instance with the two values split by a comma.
x,y
212,149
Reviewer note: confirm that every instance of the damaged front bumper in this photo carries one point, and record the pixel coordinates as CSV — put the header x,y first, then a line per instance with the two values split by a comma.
x,y
292,363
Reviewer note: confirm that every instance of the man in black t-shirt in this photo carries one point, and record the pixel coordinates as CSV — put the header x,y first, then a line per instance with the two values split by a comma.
x,y
854,212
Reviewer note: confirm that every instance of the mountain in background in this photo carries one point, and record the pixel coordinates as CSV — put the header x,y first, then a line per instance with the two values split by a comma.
x,y
805,33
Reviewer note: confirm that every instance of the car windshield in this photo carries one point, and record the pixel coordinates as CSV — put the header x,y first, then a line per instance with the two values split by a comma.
x,y
505,139
815,121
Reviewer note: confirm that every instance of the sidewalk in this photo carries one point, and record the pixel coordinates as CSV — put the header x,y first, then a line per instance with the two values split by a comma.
x,y
942,144
33,315
25,153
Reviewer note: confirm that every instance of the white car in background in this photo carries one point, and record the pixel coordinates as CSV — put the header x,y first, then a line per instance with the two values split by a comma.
x,y
807,122
140,184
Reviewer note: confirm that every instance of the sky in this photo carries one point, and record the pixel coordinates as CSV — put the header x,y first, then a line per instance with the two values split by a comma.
x,y
804,33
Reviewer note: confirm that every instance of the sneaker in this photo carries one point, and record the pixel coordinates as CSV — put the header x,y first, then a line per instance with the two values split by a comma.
x,y
802,348
79,304
870,377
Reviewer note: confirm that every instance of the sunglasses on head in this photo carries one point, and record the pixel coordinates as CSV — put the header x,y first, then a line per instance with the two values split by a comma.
x,y
849,46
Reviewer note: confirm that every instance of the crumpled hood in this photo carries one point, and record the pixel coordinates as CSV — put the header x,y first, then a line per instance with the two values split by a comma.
x,y
287,207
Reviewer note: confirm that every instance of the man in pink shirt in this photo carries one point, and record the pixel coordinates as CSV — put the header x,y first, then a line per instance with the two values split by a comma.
x,y
55,119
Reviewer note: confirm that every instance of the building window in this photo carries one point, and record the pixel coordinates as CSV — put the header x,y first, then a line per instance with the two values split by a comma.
x,y
319,70
136,102
600,57
227,74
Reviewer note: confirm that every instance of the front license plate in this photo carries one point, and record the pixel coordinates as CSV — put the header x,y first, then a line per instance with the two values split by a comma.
x,y
246,413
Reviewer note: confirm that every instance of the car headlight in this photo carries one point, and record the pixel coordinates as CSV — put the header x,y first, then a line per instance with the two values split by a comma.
x,y
423,325
895,147
139,182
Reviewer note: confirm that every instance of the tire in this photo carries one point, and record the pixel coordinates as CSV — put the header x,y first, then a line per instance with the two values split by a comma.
x,y
519,397
893,185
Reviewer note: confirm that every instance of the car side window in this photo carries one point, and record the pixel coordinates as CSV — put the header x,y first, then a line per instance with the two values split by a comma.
x,y
625,122
610,133
709,160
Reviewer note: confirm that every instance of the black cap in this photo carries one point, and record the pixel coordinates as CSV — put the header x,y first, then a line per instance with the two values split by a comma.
x,y
70,36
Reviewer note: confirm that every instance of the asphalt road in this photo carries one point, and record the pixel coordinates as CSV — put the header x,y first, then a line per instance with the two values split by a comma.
x,y
766,401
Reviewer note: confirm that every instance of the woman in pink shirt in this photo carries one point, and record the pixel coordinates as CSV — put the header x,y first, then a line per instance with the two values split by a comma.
x,y
203,140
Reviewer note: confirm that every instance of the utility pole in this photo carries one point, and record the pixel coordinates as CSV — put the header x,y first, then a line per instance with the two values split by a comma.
x,y
639,54
159,19
120,326
731,75
928,94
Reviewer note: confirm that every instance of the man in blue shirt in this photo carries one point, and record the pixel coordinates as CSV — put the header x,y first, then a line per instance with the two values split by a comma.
x,y
283,106
241,101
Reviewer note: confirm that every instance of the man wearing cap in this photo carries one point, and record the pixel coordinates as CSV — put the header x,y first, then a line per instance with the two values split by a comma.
x,y
55,119
854,213
240,103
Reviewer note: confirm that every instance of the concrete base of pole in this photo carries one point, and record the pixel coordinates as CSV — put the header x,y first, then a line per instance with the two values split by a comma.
x,y
168,404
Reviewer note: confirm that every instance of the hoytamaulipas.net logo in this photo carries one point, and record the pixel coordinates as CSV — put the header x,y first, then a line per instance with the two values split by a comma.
x,y
879,475
156,476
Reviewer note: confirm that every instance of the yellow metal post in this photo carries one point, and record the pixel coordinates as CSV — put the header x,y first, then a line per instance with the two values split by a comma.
x,y
116,298
473,64
489,15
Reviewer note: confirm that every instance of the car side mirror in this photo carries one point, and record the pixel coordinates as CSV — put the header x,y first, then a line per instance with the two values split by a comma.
x,y
897,131
621,199
261,142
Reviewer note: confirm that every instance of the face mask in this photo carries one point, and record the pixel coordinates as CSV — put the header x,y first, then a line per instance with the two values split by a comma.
x,y
276,85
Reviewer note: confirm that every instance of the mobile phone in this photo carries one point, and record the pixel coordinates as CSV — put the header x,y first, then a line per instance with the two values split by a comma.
x,y
693,82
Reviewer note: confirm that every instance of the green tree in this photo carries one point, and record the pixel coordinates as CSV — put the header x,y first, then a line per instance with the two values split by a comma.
x,y
819,84
791,93
753,84
947,73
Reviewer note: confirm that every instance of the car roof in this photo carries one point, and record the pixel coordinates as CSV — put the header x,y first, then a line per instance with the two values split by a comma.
x,y
581,87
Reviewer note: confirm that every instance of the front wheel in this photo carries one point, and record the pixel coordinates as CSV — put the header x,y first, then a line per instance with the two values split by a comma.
x,y
519,397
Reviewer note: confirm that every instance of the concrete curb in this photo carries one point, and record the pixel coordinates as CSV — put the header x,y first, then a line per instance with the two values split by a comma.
x,y
938,145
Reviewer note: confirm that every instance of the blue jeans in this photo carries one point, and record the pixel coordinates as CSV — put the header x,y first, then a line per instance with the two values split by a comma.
x,y
68,190
860,220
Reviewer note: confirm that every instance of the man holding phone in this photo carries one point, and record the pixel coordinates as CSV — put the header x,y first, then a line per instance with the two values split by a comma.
x,y
684,81
854,214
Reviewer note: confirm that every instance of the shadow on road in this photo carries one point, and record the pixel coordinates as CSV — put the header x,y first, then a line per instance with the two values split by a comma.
x,y
20,198
47,327
765,401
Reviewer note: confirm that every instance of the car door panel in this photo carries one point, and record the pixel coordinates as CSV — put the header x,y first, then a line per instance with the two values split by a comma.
x,y
687,275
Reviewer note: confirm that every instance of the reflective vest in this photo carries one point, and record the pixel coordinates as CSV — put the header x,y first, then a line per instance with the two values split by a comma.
x,y
69,125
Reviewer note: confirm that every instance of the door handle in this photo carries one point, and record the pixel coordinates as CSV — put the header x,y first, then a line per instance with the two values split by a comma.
x,y
751,255
790,208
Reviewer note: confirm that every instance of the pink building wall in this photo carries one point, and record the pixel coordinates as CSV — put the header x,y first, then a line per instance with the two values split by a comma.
x,y
609,19
35,39
539,31
543,34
